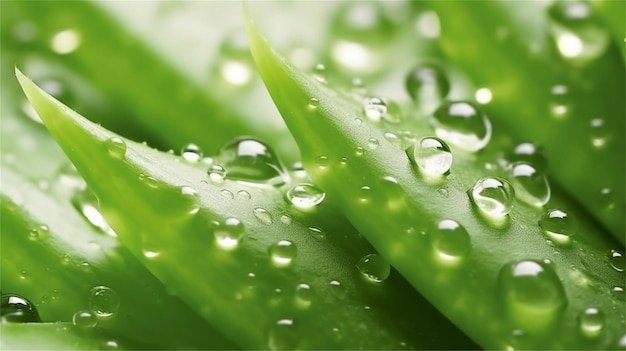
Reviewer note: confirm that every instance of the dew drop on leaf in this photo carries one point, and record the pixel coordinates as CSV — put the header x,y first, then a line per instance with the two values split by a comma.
x,y
103,301
282,253
431,155
39,233
529,153
428,86
337,289
263,215
304,295
313,104
618,292
591,322
84,319
228,233
283,335
530,184
216,173
558,226
191,153
305,196
116,147
450,241
616,260
493,196
374,268
462,124
17,309
374,108
252,161
559,104
317,233
86,203
372,143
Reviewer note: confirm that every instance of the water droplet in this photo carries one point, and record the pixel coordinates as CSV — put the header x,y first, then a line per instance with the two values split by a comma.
x,y
531,185
191,199
283,253
558,226
317,233
319,72
304,295
599,133
374,108
372,143
116,147
579,36
252,161
39,233
216,174
533,294
227,194
483,96
285,219
227,234
462,124
559,105
305,196
17,309
84,319
493,196
284,335
234,64
359,151
314,103
451,241
322,162
393,139
103,301
374,268
151,254
431,155
262,215
365,194
591,322
86,203
428,85
529,153
191,153
616,260
338,289
618,292
244,194
65,42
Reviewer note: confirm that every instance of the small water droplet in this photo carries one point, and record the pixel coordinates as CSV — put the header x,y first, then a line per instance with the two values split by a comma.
x,y
103,301
462,124
374,108
191,199
234,64
359,151
227,194
110,345
322,162
616,260
116,147
244,194
314,103
431,155
374,268
262,215
531,185
365,194
591,322
151,254
285,219
304,295
558,226
191,153
317,233
228,234
618,292
533,294
372,143
428,85
493,196
250,160
531,154
393,139
17,309
338,289
39,233
86,203
216,173
305,196
283,253
599,133
84,319
319,72
451,241
559,105
284,335
444,192
65,42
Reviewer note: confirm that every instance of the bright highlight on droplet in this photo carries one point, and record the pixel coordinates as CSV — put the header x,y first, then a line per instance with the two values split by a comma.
x,y
236,73
570,45
483,95
65,42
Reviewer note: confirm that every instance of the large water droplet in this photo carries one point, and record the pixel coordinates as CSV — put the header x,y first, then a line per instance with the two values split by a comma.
x,y
252,161
305,196
591,322
529,153
116,147
493,196
374,268
451,241
462,124
84,319
428,85
558,226
17,309
579,36
283,253
374,108
284,335
531,185
431,155
227,234
87,205
616,260
103,301
191,153
533,294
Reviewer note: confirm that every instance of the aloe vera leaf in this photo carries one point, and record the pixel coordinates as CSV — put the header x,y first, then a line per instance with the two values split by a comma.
x,y
478,286
173,231
171,107
590,108
59,336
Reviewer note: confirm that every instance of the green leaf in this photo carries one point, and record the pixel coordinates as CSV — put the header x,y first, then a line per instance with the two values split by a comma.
x,y
263,280
497,278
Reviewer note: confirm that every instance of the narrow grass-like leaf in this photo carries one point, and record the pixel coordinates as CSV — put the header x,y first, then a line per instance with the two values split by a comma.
x,y
501,280
264,282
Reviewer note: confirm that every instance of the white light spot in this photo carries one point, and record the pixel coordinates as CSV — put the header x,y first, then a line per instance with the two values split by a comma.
x,y
236,73
570,45
428,25
483,95
65,42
